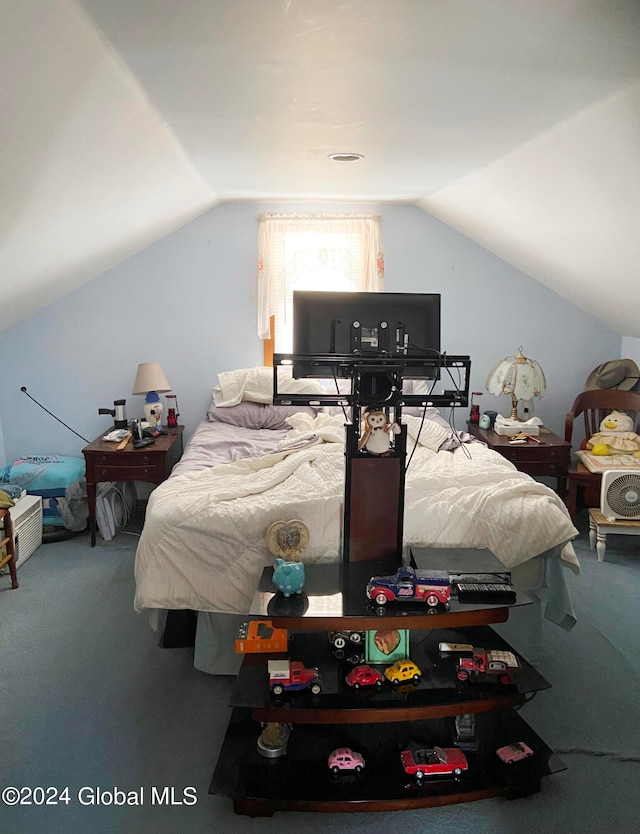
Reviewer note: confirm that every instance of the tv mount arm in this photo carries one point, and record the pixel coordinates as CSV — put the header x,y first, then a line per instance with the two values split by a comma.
x,y
366,370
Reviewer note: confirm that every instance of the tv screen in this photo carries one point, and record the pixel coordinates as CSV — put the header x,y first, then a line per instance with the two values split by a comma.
x,y
369,325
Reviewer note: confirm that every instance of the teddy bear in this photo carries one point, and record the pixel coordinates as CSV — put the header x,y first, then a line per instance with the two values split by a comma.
x,y
375,437
616,436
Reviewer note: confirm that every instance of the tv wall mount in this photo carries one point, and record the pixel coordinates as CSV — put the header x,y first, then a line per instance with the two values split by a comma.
x,y
375,379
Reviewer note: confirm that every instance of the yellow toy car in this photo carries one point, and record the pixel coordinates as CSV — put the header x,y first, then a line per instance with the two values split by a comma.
x,y
403,670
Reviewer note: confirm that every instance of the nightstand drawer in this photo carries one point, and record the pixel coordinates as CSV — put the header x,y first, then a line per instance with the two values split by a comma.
x,y
538,455
513,454
150,472
115,460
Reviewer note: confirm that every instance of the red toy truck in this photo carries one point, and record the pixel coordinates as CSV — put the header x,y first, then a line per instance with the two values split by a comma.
x,y
291,676
483,663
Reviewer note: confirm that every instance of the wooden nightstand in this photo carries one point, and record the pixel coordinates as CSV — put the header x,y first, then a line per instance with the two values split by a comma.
x,y
550,457
152,464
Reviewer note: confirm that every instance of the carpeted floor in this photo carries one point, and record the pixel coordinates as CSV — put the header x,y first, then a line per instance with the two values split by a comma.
x,y
90,701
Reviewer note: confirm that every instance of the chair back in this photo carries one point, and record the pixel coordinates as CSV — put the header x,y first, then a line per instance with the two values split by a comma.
x,y
595,405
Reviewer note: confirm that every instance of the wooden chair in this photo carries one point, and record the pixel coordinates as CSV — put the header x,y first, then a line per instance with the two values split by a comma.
x,y
584,486
7,542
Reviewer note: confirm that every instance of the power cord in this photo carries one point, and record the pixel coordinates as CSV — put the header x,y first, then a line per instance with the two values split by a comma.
x,y
581,751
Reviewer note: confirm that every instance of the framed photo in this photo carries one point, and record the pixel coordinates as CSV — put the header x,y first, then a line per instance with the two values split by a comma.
x,y
385,645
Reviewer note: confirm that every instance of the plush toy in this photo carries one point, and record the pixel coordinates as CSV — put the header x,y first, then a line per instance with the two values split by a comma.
x,y
375,437
616,436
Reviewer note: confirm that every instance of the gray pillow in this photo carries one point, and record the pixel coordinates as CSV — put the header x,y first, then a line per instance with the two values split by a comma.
x,y
250,415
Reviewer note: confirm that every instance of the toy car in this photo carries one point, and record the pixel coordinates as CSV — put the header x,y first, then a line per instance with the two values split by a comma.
x,y
434,761
345,759
515,752
261,636
403,670
433,587
291,676
364,676
486,664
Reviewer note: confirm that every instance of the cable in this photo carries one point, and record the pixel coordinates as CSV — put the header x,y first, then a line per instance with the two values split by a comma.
x,y
24,391
581,751
335,380
424,414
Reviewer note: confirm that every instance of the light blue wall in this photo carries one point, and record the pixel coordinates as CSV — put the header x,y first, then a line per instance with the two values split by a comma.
x,y
631,349
189,302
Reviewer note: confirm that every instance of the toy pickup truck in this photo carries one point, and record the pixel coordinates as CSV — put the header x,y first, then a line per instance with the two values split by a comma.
x,y
406,584
483,663
291,676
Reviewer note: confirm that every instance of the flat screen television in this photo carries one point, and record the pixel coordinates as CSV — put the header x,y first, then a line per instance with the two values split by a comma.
x,y
371,325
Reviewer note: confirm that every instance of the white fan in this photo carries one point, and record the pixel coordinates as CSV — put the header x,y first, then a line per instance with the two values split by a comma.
x,y
620,494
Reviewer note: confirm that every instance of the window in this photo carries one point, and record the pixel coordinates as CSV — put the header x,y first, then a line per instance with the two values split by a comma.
x,y
312,252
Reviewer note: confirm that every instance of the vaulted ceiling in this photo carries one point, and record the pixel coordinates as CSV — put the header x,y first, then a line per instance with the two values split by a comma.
x,y
516,122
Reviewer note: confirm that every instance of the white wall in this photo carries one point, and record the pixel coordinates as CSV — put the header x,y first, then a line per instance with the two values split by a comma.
x,y
189,302
631,349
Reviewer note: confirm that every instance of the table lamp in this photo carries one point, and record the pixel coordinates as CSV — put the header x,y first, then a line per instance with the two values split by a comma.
x,y
151,380
518,376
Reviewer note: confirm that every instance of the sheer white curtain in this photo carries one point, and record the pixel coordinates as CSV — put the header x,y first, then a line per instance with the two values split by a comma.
x,y
317,251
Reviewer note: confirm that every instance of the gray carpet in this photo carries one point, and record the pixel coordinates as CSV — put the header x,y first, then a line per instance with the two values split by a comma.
x,y
89,700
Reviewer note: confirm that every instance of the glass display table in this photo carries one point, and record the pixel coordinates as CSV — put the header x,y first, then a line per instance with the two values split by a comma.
x,y
377,722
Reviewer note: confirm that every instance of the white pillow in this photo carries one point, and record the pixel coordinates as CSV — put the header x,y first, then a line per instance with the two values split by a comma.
x,y
256,385
430,434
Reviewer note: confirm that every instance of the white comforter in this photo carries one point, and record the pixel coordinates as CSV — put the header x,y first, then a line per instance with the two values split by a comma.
x,y
203,544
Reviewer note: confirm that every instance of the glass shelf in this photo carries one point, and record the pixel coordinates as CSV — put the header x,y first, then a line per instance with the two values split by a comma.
x,y
301,780
334,598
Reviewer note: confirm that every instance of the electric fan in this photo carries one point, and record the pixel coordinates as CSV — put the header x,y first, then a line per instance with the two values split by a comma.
x,y
620,494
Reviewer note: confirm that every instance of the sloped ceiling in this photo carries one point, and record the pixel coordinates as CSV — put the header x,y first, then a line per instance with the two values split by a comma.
x,y
515,122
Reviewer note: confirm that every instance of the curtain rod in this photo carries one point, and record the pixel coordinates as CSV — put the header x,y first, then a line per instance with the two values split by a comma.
x,y
317,215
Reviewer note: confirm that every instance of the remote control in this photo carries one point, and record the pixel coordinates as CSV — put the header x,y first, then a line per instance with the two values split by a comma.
x,y
485,592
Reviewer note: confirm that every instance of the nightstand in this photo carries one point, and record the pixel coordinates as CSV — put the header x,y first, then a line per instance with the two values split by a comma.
x,y
550,457
153,464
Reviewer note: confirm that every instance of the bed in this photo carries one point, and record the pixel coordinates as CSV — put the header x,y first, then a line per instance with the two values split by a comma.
x,y
249,464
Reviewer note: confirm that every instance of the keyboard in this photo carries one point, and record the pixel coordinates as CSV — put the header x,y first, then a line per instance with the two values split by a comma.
x,y
485,592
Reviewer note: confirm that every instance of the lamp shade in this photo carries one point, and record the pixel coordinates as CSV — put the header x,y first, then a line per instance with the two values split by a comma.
x,y
150,377
516,375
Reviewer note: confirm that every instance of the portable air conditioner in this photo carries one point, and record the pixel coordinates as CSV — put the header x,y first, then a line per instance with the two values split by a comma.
x,y
620,494
26,517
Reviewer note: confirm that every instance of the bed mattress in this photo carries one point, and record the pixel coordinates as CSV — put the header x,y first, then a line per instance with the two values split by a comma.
x,y
203,543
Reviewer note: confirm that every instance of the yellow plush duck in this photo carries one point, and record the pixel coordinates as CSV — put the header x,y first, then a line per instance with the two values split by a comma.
x,y
616,436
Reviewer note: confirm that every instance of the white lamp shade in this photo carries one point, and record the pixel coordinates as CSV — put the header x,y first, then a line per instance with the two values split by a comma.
x,y
150,377
516,375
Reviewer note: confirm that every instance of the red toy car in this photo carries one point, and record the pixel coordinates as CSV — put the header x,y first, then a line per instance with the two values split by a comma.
x,y
434,761
364,676
515,752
